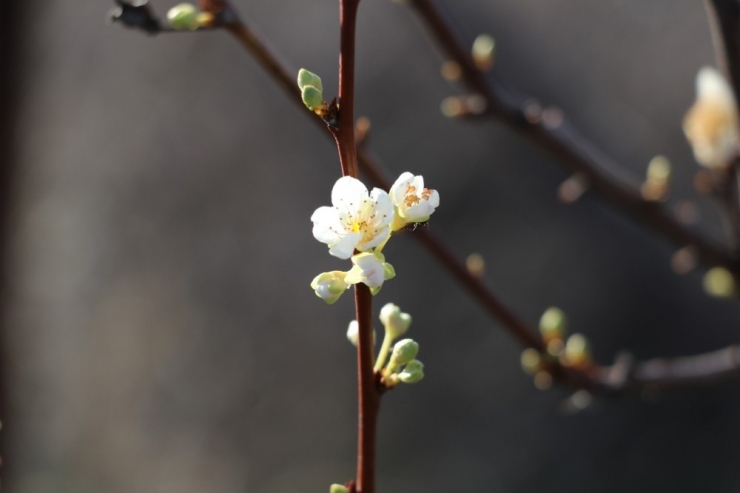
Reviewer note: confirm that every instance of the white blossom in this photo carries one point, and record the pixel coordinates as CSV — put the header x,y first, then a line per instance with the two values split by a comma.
x,y
369,269
357,220
413,202
711,125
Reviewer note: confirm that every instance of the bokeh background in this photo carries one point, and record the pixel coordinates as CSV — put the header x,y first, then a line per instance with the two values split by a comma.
x,y
160,332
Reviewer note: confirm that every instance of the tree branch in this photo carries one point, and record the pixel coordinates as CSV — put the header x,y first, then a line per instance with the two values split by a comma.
x,y
615,379
552,133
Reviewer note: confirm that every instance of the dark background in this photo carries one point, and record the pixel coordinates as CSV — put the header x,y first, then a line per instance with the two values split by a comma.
x,y
161,333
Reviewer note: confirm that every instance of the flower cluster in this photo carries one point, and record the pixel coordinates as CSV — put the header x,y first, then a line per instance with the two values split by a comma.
x,y
358,225
402,365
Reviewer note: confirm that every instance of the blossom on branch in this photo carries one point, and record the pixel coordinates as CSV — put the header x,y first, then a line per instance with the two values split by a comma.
x,y
370,269
357,220
711,125
413,203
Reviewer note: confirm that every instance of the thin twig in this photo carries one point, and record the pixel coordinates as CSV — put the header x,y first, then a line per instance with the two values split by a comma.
x,y
724,22
570,148
614,379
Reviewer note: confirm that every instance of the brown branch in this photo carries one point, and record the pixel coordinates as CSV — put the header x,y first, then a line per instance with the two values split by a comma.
x,y
724,21
575,153
617,378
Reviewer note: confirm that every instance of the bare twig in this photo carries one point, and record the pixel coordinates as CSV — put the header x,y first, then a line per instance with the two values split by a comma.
x,y
724,21
574,152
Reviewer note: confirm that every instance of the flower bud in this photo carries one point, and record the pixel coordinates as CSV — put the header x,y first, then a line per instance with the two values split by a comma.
x,y
656,185
395,322
413,372
531,361
312,97
338,488
371,270
306,78
553,324
484,51
403,353
719,282
329,286
353,332
577,352
183,17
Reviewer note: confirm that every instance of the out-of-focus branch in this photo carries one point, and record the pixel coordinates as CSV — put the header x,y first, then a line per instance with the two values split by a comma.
x,y
623,376
11,82
550,131
724,20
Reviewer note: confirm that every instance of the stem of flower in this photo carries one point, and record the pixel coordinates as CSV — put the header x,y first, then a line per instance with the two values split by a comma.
x,y
368,394
344,134
383,354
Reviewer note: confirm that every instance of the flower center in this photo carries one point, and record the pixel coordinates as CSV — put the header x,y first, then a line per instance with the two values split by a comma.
x,y
411,198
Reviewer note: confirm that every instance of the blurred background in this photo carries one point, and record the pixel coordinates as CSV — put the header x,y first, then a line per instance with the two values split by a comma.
x,y
160,334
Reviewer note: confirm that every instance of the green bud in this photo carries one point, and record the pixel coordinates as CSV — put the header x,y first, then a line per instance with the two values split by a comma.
x,y
395,322
338,488
553,324
329,286
484,51
404,352
390,271
306,78
659,169
413,372
531,361
312,97
720,282
577,352
183,17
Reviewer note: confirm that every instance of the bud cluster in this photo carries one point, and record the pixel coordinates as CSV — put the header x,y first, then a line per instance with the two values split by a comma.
x,y
569,351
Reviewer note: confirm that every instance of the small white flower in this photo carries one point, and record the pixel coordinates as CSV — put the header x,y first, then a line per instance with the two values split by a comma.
x,y
356,221
413,202
370,269
329,286
711,125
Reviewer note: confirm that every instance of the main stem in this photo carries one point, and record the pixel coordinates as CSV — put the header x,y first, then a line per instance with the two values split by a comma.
x,y
344,134
368,394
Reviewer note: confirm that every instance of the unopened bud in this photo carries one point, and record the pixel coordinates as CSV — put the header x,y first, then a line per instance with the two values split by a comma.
x,y
553,324
353,332
329,286
312,97
338,488
531,361
183,17
404,352
413,372
577,352
655,187
306,78
720,282
396,323
484,51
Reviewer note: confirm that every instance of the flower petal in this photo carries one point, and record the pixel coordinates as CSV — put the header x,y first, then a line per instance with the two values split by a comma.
x,y
398,190
348,193
326,225
346,246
